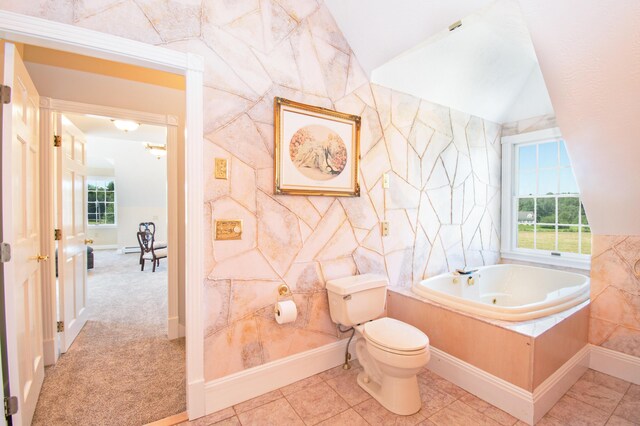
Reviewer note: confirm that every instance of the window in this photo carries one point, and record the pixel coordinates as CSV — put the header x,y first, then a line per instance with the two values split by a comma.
x,y
101,196
545,213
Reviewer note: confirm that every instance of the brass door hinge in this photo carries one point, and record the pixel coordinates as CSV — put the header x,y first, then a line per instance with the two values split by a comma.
x,y
60,326
57,141
57,234
10,405
5,94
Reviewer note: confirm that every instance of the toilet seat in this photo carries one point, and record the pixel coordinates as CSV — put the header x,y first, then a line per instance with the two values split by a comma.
x,y
395,336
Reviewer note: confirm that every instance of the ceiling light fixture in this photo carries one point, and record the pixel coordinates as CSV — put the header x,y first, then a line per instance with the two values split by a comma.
x,y
156,150
126,125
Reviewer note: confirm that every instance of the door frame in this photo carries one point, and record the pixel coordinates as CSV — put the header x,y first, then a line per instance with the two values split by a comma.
x,y
49,107
54,35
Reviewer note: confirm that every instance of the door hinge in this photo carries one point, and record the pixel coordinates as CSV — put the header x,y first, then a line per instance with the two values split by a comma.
x,y
5,94
57,141
60,326
10,405
57,234
5,253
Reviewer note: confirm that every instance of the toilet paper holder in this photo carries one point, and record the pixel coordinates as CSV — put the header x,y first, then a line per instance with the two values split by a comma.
x,y
284,293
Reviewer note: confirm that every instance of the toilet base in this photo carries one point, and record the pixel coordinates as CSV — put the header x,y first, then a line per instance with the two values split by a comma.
x,y
400,395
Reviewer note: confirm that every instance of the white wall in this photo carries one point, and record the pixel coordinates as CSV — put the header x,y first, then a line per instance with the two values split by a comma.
x,y
590,58
141,186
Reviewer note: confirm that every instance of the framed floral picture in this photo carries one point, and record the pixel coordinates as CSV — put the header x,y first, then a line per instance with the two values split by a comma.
x,y
316,150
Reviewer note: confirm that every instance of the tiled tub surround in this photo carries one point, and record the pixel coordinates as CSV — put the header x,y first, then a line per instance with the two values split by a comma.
x,y
522,353
615,293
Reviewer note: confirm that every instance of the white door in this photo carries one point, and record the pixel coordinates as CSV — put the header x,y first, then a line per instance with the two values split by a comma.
x,y
72,220
21,229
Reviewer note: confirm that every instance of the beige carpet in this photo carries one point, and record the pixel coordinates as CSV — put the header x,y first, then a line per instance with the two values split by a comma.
x,y
122,369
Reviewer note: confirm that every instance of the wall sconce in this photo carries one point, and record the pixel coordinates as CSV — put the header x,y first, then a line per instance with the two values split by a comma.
x,y
156,150
126,125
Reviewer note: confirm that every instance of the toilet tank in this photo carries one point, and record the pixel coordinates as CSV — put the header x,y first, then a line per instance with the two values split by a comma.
x,y
356,299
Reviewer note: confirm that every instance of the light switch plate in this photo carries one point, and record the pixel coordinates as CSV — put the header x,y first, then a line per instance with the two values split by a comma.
x,y
229,229
384,228
385,180
221,168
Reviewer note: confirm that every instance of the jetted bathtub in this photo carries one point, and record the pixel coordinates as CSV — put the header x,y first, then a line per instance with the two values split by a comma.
x,y
507,292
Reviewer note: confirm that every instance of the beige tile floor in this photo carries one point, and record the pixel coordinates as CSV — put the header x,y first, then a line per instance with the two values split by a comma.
x,y
334,398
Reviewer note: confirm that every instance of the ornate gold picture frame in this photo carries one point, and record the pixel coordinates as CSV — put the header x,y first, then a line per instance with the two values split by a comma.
x,y
317,150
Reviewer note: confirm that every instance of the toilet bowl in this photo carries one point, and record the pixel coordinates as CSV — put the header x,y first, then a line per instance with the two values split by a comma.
x,y
392,353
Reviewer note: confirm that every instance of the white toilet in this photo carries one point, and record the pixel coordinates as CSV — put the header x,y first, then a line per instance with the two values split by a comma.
x,y
391,351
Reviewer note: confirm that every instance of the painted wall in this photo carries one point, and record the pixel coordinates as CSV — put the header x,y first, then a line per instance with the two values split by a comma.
x,y
589,57
141,187
443,205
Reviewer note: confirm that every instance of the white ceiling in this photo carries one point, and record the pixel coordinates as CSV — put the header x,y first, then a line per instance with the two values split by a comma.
x,y
102,128
379,30
487,67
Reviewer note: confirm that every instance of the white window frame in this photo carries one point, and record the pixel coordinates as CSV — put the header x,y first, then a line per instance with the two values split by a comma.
x,y
509,249
115,203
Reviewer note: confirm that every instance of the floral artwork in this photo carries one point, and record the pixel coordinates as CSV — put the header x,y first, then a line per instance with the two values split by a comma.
x,y
316,150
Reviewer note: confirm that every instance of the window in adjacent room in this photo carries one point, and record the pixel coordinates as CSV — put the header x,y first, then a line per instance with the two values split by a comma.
x,y
101,198
547,217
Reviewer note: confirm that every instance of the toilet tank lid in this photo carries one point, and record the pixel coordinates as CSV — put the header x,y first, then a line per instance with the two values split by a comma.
x,y
355,283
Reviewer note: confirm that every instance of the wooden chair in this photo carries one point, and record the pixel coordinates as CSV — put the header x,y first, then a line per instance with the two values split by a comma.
x,y
150,227
147,250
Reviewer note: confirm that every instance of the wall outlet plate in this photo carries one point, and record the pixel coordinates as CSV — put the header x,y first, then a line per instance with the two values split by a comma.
x,y
384,228
221,168
228,229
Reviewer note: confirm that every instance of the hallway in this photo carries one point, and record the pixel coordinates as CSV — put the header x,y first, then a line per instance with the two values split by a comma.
x,y
121,369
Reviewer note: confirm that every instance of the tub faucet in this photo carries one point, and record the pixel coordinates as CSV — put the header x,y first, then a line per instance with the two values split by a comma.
x,y
464,271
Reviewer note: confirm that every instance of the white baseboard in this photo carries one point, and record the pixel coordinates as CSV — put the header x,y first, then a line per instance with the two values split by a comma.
x,y
551,390
496,391
196,394
49,351
520,403
182,331
105,247
173,328
247,384
614,363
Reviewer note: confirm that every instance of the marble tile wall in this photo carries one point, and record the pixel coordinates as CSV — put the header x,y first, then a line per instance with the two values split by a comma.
x,y
529,125
615,293
443,204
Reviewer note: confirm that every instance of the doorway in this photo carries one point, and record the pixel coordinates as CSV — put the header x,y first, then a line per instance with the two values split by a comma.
x,y
74,39
123,353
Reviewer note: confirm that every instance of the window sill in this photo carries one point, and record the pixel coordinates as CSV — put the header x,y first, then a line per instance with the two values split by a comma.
x,y
95,227
544,259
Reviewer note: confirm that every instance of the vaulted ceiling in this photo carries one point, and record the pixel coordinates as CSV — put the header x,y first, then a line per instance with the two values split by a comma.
x,y
487,67
588,53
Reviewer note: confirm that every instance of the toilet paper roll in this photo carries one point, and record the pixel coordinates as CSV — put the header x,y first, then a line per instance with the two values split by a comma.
x,y
286,311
